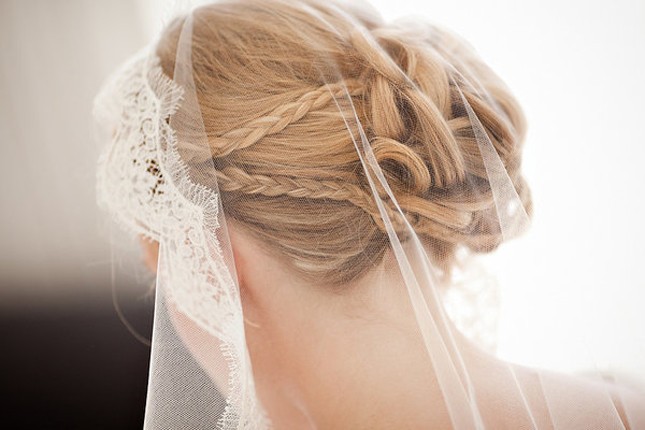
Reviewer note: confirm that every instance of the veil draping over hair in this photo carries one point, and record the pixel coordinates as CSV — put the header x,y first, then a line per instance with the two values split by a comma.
x,y
433,140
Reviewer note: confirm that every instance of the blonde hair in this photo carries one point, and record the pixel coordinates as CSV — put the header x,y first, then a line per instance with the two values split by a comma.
x,y
286,166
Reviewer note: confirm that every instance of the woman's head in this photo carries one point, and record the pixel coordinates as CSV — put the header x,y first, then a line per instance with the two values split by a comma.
x,y
303,105
287,167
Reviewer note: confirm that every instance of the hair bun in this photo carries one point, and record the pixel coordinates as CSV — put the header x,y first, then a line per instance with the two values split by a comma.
x,y
285,163
422,88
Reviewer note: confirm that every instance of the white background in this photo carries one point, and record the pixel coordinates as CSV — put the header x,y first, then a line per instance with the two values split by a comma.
x,y
573,288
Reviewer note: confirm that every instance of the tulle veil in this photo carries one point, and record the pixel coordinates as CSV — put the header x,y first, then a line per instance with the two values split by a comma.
x,y
158,178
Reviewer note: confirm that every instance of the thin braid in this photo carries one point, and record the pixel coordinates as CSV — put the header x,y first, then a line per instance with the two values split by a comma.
x,y
282,116
233,179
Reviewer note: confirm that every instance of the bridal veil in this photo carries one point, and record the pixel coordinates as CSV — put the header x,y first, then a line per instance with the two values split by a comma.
x,y
393,151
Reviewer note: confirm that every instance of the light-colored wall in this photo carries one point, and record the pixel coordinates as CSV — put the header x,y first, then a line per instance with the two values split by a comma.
x,y
53,57
574,286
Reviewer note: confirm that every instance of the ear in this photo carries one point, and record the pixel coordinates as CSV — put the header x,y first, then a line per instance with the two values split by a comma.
x,y
257,272
245,257
150,250
240,257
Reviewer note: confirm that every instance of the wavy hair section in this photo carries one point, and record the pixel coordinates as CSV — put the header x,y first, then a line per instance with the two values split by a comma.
x,y
285,163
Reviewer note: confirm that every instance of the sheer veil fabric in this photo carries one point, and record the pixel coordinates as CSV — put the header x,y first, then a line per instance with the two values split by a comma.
x,y
426,155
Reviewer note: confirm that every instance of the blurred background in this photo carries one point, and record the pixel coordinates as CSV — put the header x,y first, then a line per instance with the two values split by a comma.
x,y
74,295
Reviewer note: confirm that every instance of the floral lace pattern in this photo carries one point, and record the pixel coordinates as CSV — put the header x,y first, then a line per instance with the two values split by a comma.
x,y
143,183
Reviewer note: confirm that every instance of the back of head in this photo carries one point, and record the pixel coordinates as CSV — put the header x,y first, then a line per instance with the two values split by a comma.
x,y
286,165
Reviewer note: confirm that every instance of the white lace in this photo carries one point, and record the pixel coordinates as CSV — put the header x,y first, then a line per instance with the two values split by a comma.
x,y
143,183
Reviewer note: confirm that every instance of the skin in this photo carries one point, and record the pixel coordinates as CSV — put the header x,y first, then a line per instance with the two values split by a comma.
x,y
315,353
